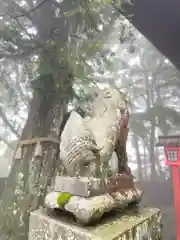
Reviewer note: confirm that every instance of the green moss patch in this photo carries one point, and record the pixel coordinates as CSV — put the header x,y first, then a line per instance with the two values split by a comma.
x,y
63,198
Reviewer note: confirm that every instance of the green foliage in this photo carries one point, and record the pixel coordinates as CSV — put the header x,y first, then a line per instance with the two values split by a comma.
x,y
43,84
63,198
9,33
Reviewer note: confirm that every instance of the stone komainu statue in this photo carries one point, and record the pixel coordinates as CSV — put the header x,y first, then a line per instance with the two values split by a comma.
x,y
90,187
87,144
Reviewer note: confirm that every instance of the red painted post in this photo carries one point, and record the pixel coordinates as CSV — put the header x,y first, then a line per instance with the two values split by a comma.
x,y
176,184
171,146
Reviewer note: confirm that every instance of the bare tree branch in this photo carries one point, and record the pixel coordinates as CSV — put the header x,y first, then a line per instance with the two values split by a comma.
x,y
2,139
7,83
20,55
27,13
30,3
7,123
19,78
12,9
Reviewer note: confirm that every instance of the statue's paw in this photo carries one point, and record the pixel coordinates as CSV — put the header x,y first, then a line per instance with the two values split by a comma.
x,y
56,200
50,200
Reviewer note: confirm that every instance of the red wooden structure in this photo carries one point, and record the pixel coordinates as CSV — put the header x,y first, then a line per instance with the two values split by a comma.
x,y
171,146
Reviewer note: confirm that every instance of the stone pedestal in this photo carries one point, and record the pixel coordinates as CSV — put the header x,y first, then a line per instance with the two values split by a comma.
x,y
134,224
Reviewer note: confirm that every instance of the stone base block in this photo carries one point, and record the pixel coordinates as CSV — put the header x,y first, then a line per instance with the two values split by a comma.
x,y
83,186
89,187
134,224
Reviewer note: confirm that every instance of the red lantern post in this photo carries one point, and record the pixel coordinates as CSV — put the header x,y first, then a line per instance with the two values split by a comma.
x,y
171,146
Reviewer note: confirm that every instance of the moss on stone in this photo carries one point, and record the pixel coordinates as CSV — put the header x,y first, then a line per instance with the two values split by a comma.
x,y
63,198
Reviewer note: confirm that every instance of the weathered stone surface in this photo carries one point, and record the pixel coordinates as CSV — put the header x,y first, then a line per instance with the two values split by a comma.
x,y
88,142
135,224
88,187
83,186
86,210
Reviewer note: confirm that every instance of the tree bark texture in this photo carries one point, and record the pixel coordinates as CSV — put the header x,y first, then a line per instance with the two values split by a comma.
x,y
138,155
30,177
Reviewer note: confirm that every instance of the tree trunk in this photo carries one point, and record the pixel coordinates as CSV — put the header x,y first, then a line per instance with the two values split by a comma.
x,y
30,177
152,152
139,163
145,161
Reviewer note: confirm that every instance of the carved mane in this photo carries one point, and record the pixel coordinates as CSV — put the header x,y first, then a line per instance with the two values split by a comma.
x,y
92,140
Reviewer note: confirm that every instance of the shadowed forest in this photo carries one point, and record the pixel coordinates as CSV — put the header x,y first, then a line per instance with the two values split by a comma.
x,y
53,55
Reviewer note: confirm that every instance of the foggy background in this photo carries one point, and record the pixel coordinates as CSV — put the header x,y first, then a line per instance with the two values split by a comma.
x,y
127,61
